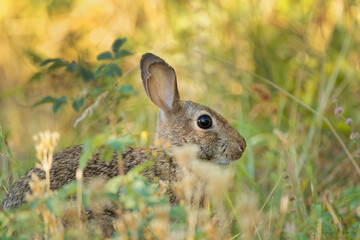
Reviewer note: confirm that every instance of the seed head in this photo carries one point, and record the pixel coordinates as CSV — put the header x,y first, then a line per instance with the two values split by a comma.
x,y
284,203
348,121
79,174
354,136
335,99
338,110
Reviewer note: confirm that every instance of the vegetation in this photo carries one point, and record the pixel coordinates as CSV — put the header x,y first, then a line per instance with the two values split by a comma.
x,y
270,67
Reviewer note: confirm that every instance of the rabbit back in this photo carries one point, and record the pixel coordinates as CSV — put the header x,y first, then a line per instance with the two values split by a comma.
x,y
66,162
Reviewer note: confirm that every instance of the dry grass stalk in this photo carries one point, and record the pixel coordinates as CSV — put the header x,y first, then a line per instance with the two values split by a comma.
x,y
129,222
79,179
45,145
89,111
337,221
160,225
251,217
200,183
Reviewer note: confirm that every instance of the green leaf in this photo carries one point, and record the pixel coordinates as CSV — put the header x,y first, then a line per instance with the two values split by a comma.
x,y
51,60
178,212
107,153
117,44
99,69
111,70
72,67
55,205
4,221
49,204
47,99
67,190
57,105
120,143
315,211
138,169
86,74
89,147
122,53
55,66
95,91
36,76
141,188
113,185
78,103
57,102
301,236
34,57
88,150
33,205
105,56
56,63
128,90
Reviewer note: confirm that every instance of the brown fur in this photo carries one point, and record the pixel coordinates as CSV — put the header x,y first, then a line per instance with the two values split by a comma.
x,y
177,125
66,162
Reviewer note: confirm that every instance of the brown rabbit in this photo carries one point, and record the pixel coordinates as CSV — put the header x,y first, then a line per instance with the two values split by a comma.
x,y
179,123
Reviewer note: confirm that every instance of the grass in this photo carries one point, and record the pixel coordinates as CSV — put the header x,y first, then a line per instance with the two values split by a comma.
x,y
270,68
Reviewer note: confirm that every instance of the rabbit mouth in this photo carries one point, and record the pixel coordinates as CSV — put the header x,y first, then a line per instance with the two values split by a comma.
x,y
223,161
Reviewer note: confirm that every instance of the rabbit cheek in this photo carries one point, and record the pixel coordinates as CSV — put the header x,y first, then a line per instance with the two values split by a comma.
x,y
205,154
207,145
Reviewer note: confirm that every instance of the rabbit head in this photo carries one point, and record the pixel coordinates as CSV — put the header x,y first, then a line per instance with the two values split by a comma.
x,y
186,122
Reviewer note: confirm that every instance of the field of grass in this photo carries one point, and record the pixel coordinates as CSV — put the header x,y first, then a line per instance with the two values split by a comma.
x,y
272,68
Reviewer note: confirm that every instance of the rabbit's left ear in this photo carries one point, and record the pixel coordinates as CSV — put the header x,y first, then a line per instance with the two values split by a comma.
x,y
159,80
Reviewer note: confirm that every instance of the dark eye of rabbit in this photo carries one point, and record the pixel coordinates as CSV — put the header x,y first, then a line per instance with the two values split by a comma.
x,y
204,121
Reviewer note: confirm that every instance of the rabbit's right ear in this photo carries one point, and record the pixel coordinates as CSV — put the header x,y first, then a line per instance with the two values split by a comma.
x,y
159,80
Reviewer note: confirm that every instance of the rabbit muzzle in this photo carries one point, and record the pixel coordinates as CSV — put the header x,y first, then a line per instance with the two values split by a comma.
x,y
231,151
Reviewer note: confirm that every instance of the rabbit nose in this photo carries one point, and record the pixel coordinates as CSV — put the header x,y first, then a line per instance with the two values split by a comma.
x,y
239,152
241,146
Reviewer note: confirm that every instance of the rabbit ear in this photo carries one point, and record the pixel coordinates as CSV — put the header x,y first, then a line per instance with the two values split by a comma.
x,y
159,80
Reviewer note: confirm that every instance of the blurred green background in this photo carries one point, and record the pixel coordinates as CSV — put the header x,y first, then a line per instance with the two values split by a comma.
x,y
241,58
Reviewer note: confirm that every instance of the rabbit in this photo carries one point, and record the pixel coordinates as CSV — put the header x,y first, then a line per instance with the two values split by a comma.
x,y
179,123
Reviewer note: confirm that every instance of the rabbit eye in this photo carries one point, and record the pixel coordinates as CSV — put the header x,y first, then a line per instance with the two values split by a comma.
x,y
204,121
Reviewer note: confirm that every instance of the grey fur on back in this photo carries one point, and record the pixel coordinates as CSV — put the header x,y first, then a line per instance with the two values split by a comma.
x,y
66,162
